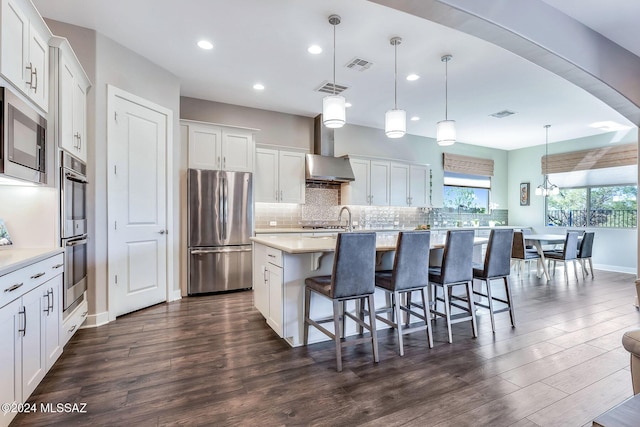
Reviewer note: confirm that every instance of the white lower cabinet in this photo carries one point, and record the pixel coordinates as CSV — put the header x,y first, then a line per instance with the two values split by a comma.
x,y
267,285
30,333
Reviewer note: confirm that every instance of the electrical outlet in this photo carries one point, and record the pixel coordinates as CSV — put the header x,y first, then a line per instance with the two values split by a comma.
x,y
354,223
273,223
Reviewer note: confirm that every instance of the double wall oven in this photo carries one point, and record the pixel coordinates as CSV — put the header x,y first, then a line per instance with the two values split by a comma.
x,y
73,203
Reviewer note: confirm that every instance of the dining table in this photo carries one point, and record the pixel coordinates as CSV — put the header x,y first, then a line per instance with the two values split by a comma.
x,y
538,240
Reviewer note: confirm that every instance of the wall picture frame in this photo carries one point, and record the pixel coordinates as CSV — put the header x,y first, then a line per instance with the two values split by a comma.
x,y
524,194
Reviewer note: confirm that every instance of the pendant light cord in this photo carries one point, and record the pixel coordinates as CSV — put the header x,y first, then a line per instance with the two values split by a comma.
x,y
334,59
446,90
395,77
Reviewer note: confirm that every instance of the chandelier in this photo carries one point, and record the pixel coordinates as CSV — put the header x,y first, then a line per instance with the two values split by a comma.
x,y
547,188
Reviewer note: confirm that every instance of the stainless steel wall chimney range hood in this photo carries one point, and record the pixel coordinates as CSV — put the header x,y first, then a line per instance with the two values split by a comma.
x,y
322,166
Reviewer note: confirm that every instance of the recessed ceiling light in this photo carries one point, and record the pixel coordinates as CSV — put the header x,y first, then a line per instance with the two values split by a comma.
x,y
415,118
347,104
413,77
205,44
314,49
258,86
609,126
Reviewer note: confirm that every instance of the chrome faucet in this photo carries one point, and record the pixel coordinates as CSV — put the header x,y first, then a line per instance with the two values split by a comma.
x,y
349,224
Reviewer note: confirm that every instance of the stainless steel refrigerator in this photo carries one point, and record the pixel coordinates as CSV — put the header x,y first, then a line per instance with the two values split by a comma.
x,y
220,224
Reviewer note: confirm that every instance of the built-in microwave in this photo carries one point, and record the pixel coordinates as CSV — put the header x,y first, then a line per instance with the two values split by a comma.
x,y
23,139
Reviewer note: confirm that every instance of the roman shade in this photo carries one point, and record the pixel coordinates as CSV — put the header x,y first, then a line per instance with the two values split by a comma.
x,y
467,164
597,158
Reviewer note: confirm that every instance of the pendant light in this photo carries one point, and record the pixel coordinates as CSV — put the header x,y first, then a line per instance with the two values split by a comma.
x,y
333,106
547,188
395,121
446,129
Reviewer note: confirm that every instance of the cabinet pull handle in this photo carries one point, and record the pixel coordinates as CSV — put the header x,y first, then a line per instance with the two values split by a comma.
x,y
277,195
23,311
35,276
73,328
35,73
218,161
57,266
46,309
30,68
264,274
14,287
224,162
281,196
51,306
84,314
271,256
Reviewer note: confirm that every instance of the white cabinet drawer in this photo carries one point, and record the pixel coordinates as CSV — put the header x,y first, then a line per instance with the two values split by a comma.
x,y
72,323
274,256
15,284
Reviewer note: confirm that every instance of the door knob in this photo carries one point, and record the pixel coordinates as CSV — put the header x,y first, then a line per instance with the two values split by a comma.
x,y
163,231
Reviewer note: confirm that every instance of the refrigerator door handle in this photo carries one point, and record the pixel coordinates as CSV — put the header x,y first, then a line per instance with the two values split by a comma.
x,y
226,203
219,250
221,217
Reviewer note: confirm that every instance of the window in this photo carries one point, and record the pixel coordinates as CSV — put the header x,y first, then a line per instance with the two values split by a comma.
x,y
612,206
466,193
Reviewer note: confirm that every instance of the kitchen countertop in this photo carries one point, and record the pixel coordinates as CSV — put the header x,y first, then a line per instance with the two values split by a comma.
x,y
12,259
282,230
308,244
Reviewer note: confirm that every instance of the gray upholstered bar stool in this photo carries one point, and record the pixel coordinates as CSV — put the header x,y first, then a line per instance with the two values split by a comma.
x,y
568,253
410,273
631,342
456,270
584,253
352,278
496,266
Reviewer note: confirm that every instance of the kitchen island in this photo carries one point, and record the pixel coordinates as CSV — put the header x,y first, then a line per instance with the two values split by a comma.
x,y
282,263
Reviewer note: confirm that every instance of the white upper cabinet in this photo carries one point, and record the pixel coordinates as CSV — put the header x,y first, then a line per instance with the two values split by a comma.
x,y
24,50
371,186
71,96
279,176
419,184
219,147
383,183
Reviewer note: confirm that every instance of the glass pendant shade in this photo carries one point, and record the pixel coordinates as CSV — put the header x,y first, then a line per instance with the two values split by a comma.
x,y
547,188
446,132
395,123
334,111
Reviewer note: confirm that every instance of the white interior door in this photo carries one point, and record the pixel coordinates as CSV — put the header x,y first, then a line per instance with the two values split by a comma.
x,y
137,203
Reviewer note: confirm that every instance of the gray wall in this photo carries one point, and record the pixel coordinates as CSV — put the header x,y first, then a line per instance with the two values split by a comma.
x,y
109,63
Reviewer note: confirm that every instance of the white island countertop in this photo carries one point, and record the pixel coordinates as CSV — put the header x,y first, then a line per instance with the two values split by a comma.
x,y
308,244
12,259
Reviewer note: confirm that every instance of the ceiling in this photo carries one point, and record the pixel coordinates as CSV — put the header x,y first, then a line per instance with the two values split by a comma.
x,y
267,41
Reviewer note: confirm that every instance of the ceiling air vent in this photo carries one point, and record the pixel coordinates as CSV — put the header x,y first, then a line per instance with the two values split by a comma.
x,y
328,87
359,64
502,114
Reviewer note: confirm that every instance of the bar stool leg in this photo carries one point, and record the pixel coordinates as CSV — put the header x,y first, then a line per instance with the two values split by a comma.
x,y
512,314
490,298
447,312
336,335
398,320
427,316
307,304
374,335
472,309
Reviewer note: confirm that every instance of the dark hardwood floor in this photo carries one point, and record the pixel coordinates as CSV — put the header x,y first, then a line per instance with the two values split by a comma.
x,y
213,361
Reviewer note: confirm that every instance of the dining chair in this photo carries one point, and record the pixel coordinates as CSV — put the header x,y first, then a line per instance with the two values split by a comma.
x,y
496,266
569,252
456,270
521,254
410,273
584,252
352,278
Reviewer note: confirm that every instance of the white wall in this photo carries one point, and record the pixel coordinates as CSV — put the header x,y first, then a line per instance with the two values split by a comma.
x,y
614,249
109,63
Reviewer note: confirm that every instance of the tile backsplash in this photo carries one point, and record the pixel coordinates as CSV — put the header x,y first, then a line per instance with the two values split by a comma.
x,y
323,204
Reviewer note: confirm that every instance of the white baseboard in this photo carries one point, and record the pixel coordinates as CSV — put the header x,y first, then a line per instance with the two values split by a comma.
x,y
175,295
95,320
614,268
